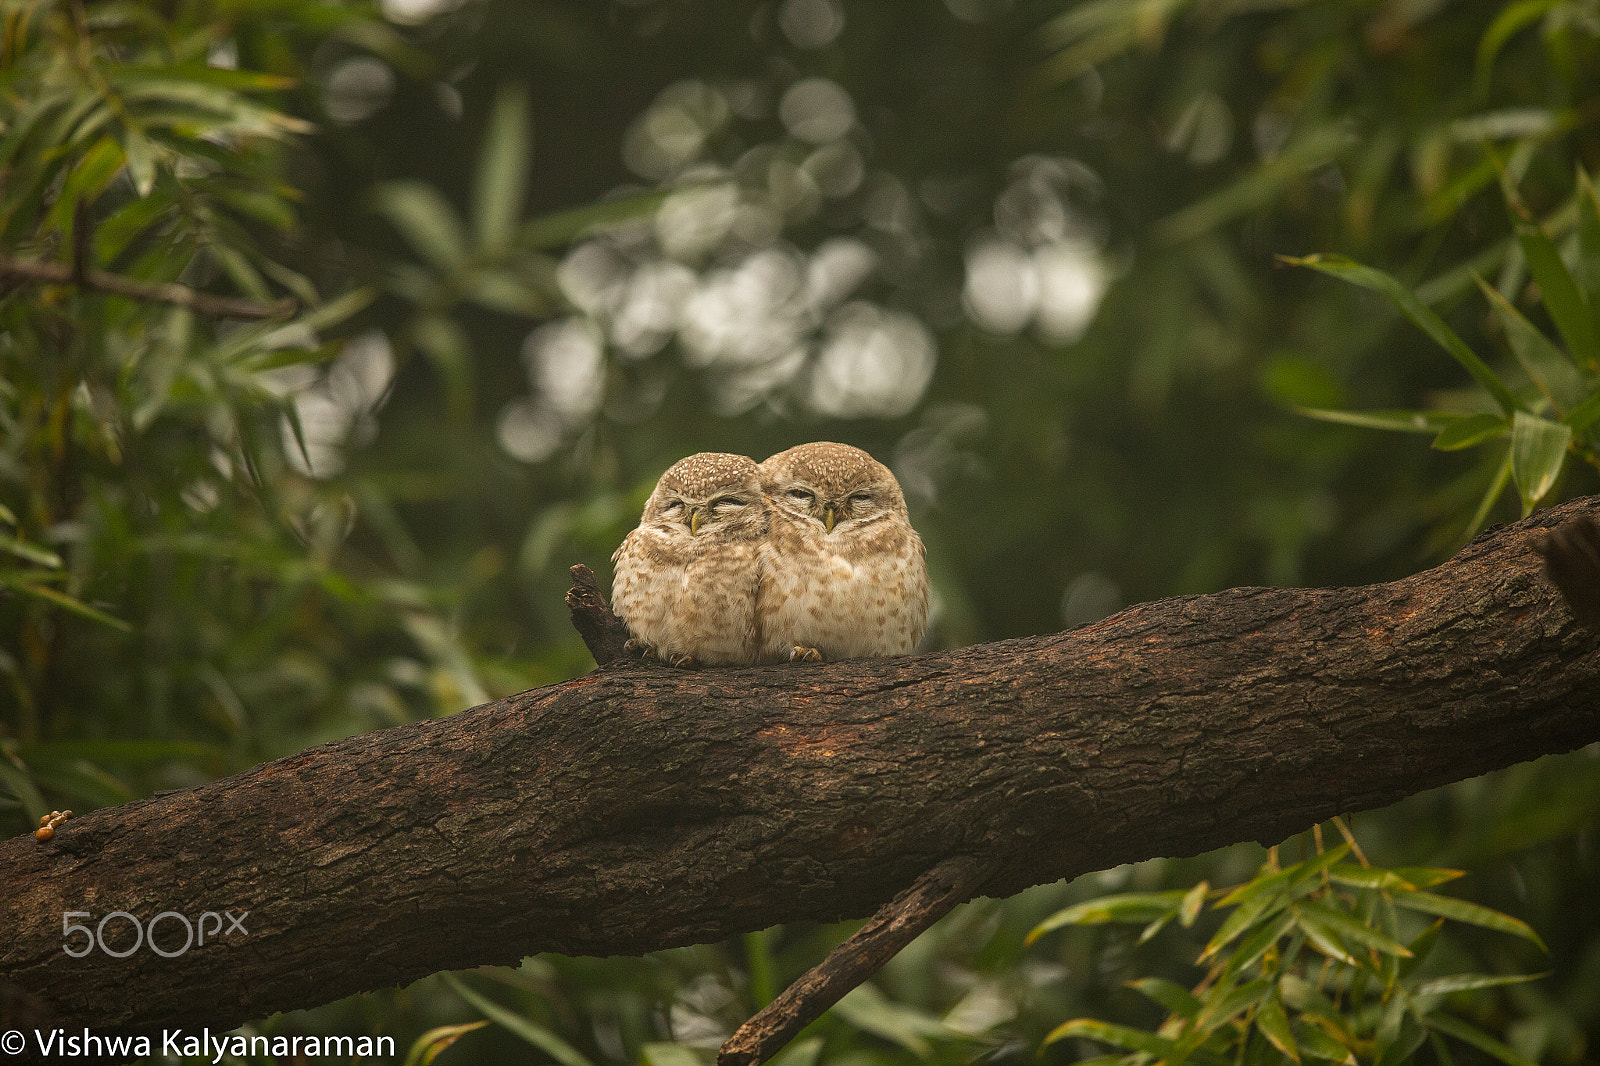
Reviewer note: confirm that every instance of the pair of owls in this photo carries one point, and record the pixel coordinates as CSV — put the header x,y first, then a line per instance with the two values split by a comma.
x,y
809,555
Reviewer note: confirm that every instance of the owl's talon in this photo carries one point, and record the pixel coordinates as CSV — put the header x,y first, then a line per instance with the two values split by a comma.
x,y
798,654
684,662
640,649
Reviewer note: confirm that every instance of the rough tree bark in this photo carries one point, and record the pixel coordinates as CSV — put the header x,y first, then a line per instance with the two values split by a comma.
x,y
638,807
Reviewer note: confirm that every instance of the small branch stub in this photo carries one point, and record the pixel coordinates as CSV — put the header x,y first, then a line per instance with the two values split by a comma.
x,y
603,632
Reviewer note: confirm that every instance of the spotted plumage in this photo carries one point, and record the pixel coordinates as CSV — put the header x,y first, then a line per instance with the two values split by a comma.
x,y
843,574
687,578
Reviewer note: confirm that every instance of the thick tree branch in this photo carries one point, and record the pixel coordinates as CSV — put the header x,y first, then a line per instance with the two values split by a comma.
x,y
641,808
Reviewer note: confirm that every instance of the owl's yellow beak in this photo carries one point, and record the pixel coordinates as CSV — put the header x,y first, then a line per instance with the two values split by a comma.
x,y
694,521
829,517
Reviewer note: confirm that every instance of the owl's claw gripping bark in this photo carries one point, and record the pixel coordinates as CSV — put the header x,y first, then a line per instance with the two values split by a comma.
x,y
798,654
640,649
684,662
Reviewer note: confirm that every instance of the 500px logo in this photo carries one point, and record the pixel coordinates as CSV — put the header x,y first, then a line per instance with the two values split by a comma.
x,y
145,933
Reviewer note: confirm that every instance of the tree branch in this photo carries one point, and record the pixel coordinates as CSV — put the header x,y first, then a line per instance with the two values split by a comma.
x,y
898,923
91,279
638,809
603,633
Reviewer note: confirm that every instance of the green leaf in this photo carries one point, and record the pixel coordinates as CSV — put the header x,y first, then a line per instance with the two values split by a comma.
x,y
1116,1035
1510,21
562,227
1482,1041
1468,982
1470,430
1544,363
1258,942
17,781
1428,876
658,1054
867,1009
1313,1040
1491,495
1589,238
1257,189
534,1034
77,607
1274,1025
1419,313
23,550
445,344
1169,994
426,221
502,170
141,156
1460,910
1245,915
800,1053
1324,938
1350,929
427,1047
1397,421
1348,873
1130,907
1538,451
1567,306
1217,1010
1584,415
1193,900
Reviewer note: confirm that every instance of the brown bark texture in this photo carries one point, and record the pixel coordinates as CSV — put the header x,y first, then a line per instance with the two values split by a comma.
x,y
642,807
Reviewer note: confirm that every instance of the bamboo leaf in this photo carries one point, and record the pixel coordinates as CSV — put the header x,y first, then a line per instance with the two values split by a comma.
x,y
1419,313
1469,982
531,1032
1274,1025
1130,907
1567,306
1507,24
502,170
1459,910
1470,430
23,550
1485,1043
1259,941
1538,451
1352,930
427,1047
1347,873
425,220
562,227
1397,421
1116,1035
1169,994
75,606
1193,900
1545,364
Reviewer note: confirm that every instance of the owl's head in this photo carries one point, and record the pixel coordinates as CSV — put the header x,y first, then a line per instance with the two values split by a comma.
x,y
710,495
834,485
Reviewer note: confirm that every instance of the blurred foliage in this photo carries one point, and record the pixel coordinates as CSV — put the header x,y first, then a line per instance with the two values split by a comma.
x,y
1024,252
1308,964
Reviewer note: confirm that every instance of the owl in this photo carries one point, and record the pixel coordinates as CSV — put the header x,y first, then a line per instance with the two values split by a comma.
x,y
843,574
686,579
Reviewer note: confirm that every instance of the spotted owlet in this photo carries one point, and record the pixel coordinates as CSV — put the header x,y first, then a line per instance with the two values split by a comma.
x,y
843,574
686,579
